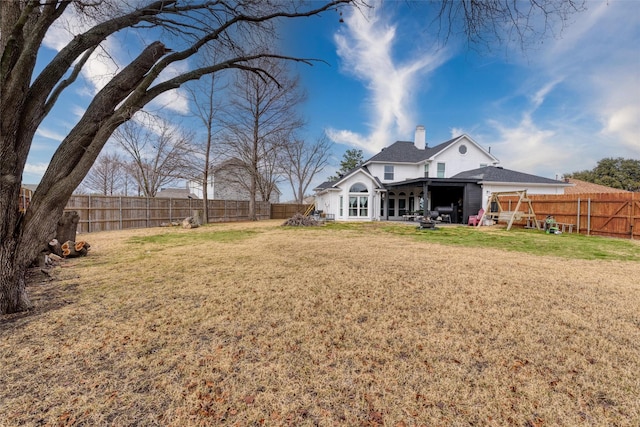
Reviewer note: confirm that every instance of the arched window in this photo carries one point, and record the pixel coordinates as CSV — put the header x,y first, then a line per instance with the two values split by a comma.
x,y
358,187
358,200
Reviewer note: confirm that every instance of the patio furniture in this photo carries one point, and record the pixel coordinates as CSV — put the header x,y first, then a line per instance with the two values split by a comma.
x,y
474,220
426,223
433,215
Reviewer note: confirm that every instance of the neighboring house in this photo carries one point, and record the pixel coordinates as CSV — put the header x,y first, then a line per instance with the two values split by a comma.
x,y
176,193
457,176
229,181
583,187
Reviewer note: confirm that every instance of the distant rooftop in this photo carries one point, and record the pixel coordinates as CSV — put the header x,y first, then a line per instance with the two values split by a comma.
x,y
176,193
583,187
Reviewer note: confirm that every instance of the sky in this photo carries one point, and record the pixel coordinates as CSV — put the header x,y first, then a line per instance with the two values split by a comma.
x,y
556,107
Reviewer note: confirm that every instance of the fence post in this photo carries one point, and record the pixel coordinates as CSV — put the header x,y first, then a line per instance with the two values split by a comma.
x,y
589,216
631,217
147,211
89,215
578,221
120,209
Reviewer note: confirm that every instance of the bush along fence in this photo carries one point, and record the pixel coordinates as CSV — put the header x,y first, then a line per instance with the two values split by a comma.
x,y
596,214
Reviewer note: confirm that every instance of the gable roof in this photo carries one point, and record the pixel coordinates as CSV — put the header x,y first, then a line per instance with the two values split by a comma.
x,y
406,151
334,184
500,174
400,152
176,193
582,187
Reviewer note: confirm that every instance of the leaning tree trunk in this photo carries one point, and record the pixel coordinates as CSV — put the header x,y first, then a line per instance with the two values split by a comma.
x,y
13,292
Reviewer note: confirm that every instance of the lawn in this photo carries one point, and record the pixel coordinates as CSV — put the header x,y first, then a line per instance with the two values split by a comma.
x,y
348,324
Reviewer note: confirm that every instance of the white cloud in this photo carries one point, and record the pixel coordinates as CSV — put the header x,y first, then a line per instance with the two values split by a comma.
x,y
175,100
599,62
49,134
366,49
78,111
537,99
455,131
591,82
623,125
36,169
348,137
527,148
109,59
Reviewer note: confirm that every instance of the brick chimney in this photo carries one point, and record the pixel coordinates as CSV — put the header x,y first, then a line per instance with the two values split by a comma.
x,y
420,138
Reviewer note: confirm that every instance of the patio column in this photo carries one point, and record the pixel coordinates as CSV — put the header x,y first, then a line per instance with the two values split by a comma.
x,y
386,206
425,191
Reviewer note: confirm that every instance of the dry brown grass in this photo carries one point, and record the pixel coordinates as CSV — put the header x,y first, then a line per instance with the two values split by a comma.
x,y
322,327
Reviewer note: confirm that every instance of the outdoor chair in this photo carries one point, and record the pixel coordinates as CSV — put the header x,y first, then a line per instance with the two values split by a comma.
x,y
474,220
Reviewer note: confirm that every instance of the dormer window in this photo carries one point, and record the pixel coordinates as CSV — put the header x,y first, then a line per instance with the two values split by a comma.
x,y
388,172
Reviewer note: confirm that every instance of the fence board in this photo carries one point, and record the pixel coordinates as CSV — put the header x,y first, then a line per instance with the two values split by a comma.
x,y
106,213
287,210
601,214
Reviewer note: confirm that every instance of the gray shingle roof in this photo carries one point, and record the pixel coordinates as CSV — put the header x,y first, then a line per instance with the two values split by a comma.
x,y
329,184
325,185
176,193
499,174
406,152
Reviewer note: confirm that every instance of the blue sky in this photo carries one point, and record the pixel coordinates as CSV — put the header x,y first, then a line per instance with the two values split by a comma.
x,y
557,107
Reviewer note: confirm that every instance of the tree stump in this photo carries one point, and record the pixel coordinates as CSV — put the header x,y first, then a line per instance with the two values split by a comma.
x,y
67,227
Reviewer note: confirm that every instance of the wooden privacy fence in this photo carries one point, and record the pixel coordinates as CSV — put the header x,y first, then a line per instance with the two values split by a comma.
x,y
105,213
25,198
598,214
287,210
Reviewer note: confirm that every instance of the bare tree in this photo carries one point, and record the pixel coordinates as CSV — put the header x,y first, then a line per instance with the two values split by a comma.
x,y
107,175
237,30
270,173
262,116
302,161
180,30
206,106
497,22
157,158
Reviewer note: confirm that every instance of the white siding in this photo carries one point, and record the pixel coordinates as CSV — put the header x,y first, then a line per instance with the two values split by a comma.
x,y
456,162
401,172
488,188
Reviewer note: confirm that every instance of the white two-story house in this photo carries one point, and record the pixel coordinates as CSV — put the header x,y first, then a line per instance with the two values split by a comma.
x,y
455,177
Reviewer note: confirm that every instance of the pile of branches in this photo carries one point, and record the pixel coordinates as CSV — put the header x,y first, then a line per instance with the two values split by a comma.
x,y
299,220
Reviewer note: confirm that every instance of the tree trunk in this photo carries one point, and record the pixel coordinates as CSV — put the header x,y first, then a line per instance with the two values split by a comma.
x,y
13,292
67,227
24,234
205,198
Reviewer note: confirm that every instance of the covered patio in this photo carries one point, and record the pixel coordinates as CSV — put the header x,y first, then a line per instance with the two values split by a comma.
x,y
451,200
